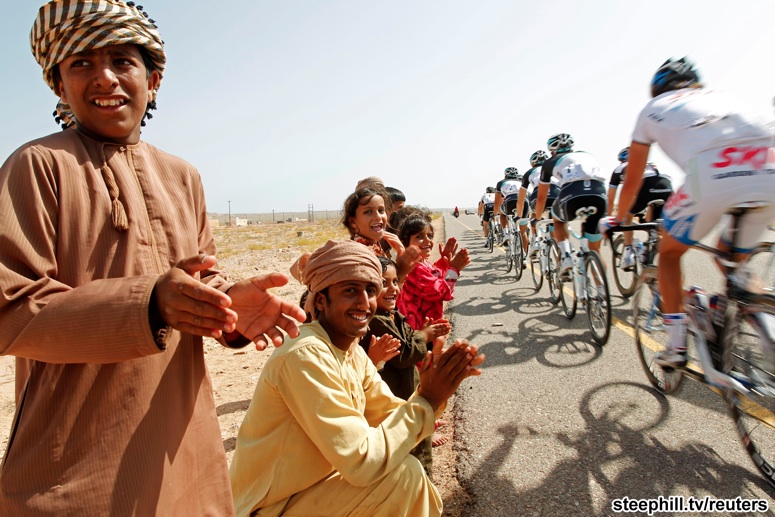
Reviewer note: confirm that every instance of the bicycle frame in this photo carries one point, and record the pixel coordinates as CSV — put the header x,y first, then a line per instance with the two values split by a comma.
x,y
737,276
542,235
496,231
578,262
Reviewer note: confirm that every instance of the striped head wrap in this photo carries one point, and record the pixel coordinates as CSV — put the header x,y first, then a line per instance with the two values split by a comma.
x,y
66,27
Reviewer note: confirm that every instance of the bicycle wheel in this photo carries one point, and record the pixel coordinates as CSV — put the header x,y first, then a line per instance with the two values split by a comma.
x,y
552,270
535,271
519,258
509,253
744,358
625,280
651,333
598,298
568,293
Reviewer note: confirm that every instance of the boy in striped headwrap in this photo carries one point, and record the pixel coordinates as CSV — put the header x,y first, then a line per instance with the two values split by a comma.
x,y
110,282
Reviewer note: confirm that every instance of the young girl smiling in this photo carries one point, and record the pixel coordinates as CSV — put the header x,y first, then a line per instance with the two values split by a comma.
x,y
365,217
428,286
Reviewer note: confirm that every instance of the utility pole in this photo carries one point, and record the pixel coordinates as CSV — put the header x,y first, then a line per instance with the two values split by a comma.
x,y
229,213
310,213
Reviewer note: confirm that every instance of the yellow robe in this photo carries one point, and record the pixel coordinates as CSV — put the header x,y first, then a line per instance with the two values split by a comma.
x,y
323,422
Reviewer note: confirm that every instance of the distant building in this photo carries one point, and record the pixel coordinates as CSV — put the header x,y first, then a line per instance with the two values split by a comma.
x,y
240,222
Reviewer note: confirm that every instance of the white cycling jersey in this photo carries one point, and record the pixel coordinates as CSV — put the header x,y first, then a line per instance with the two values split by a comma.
x,y
531,180
689,121
510,187
488,198
727,152
570,167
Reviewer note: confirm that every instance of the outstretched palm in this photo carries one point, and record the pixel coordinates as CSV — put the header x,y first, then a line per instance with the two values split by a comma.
x,y
262,315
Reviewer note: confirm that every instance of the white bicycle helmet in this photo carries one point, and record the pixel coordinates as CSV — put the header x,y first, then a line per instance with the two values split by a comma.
x,y
538,157
560,142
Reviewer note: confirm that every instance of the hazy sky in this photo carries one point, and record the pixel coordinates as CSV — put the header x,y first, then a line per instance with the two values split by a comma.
x,y
282,104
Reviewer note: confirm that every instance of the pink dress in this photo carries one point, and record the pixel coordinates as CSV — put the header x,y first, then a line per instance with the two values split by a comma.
x,y
425,290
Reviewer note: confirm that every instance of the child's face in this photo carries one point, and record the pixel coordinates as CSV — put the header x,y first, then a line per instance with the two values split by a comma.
x,y
424,241
370,219
386,301
108,90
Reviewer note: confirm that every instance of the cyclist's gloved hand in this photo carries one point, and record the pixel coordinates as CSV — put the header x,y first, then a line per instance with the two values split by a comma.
x,y
606,223
533,222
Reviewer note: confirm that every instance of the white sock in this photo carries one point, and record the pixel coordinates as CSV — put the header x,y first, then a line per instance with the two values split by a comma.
x,y
676,328
564,248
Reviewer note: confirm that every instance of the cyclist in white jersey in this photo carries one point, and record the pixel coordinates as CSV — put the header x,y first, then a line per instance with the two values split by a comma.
x,y
581,185
656,186
529,189
509,192
505,187
728,156
485,210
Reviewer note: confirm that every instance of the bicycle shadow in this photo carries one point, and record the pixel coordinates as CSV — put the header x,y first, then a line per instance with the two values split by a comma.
x,y
510,341
507,342
617,454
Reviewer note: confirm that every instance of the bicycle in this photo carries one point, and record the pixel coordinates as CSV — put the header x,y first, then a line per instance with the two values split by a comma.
x,y
545,260
588,278
733,333
488,241
626,279
515,254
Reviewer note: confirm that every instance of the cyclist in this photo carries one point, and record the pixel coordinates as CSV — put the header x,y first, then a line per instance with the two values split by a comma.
x,y
485,210
509,190
581,185
506,193
728,156
656,186
530,183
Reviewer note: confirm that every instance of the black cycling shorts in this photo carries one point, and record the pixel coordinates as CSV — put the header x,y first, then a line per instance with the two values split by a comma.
x,y
510,203
581,194
488,210
654,187
554,191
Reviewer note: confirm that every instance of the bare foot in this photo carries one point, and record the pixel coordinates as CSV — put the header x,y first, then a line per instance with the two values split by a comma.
x,y
440,423
438,439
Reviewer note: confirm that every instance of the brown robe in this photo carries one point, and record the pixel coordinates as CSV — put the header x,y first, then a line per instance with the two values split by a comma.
x,y
106,423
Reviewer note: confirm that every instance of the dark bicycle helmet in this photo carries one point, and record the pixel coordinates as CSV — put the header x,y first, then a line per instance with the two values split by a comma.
x,y
624,154
538,157
491,190
673,75
560,142
511,173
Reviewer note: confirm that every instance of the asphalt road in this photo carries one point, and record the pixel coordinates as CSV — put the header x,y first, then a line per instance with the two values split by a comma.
x,y
559,426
